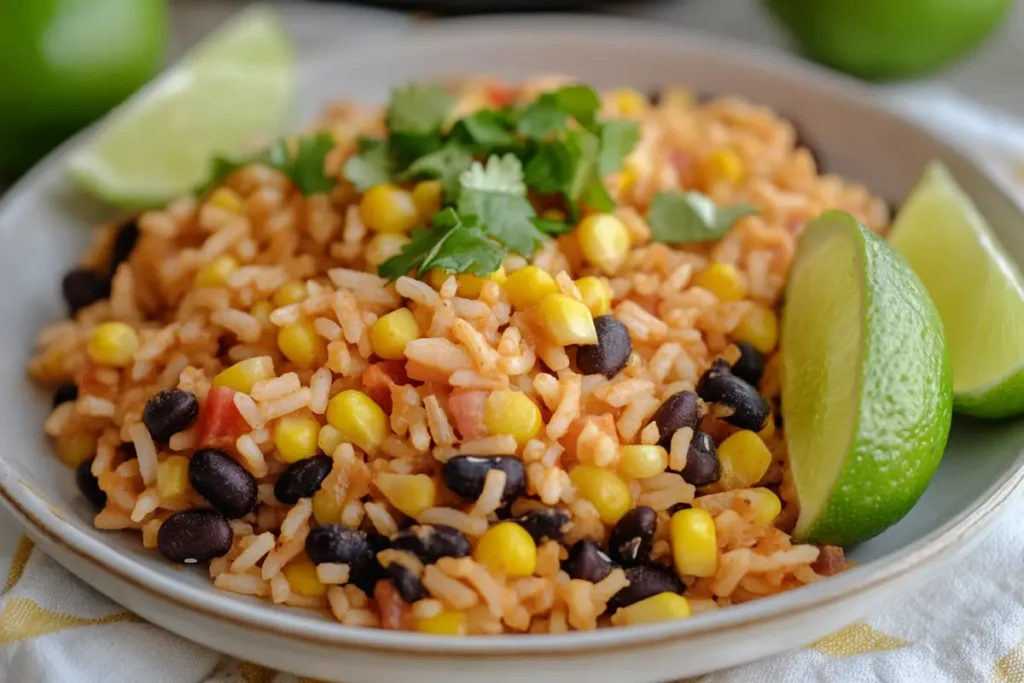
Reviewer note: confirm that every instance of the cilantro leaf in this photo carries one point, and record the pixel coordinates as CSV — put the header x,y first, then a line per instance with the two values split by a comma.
x,y
496,196
542,118
595,195
370,166
551,169
305,166
618,138
501,174
446,164
484,132
580,102
418,108
221,167
450,245
679,218
552,227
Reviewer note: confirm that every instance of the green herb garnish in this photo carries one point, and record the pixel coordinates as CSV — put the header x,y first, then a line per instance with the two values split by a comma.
x,y
302,162
450,244
496,196
680,218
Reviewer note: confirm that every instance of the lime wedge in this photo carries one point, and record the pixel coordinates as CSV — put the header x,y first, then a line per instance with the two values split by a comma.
x,y
866,390
976,287
231,93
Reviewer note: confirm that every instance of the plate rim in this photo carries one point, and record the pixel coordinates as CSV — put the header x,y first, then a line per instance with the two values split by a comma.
x,y
34,510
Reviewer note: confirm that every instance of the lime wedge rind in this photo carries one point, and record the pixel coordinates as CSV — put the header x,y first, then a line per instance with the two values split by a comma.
x,y
866,383
978,290
232,93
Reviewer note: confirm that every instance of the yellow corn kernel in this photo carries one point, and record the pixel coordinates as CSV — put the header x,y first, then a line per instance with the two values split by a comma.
x,y
443,624
300,343
566,320
553,214
295,437
243,374
172,477
290,293
301,575
512,412
469,286
694,546
627,178
391,332
768,431
528,285
113,344
427,198
744,459
723,166
642,462
216,272
760,328
227,199
327,508
629,102
358,419
74,449
261,311
722,280
605,489
660,607
507,549
329,439
383,246
604,241
387,208
596,293
410,493
765,506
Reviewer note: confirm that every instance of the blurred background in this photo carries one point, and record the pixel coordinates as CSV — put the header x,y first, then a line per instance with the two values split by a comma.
x,y
67,62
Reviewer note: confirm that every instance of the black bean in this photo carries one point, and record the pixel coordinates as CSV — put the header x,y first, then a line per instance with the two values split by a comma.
x,y
750,366
654,96
406,583
702,466
168,412
90,485
365,575
65,393
611,352
337,543
302,479
677,507
194,536
124,242
82,287
632,537
431,542
736,401
225,484
465,475
588,561
546,524
645,581
677,411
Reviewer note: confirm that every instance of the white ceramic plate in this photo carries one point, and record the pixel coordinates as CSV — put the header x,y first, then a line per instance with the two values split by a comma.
x,y
43,227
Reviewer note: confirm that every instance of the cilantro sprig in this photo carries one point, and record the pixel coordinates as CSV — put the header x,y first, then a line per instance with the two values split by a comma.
x,y
302,161
490,164
685,217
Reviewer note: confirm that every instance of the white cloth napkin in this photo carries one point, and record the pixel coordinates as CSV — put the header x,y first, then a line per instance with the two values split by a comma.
x,y
966,625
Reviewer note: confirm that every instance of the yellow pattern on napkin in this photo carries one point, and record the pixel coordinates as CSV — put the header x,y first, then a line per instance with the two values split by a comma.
x,y
1010,667
18,562
857,639
23,619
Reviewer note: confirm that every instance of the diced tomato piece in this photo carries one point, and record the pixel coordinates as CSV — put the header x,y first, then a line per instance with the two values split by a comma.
x,y
220,423
499,94
395,613
468,410
379,378
605,422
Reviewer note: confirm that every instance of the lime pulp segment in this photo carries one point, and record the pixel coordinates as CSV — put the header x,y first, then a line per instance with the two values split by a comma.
x,y
232,93
977,288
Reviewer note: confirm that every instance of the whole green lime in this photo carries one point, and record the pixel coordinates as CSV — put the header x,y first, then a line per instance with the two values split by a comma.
x,y
66,62
880,39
